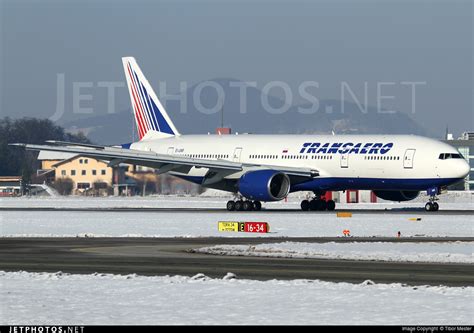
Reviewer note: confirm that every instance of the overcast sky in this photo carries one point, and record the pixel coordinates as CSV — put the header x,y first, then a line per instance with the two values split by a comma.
x,y
361,43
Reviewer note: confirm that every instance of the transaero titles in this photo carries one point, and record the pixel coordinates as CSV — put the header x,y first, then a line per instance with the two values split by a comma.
x,y
345,148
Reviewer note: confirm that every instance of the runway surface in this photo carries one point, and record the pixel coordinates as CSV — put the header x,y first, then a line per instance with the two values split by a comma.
x,y
173,256
420,211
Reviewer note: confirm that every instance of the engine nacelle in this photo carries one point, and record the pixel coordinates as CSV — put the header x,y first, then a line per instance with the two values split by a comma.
x,y
397,195
264,185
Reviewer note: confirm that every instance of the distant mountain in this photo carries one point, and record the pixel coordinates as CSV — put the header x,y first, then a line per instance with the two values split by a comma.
x,y
113,128
117,128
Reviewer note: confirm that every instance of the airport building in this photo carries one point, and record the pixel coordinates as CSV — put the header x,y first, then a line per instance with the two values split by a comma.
x,y
10,186
465,145
89,175
95,177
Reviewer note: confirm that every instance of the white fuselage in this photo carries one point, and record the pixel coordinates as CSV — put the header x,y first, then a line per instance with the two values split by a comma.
x,y
379,162
398,162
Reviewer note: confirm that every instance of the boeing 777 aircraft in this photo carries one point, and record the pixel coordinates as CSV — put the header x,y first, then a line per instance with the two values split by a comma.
x,y
267,167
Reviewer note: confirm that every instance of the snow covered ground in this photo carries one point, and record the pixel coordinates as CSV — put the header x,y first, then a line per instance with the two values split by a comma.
x,y
453,200
449,252
46,299
204,224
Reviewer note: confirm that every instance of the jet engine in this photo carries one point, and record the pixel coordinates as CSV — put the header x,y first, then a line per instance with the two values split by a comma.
x,y
264,185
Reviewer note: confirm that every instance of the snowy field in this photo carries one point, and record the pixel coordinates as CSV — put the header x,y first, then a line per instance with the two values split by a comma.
x,y
204,224
47,299
453,200
448,252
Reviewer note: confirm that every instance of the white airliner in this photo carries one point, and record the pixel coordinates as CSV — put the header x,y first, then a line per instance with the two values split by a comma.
x,y
260,168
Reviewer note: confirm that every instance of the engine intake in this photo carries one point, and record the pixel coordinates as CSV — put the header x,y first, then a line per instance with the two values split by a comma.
x,y
397,195
264,185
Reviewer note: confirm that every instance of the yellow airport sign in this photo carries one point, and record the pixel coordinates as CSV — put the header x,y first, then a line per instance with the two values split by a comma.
x,y
228,226
233,226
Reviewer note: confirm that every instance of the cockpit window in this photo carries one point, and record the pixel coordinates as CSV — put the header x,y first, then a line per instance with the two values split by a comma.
x,y
446,156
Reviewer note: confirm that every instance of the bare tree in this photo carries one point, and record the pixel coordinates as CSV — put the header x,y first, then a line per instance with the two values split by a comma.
x,y
64,186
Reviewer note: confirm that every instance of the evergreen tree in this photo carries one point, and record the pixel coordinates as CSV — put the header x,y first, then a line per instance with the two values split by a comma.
x,y
15,161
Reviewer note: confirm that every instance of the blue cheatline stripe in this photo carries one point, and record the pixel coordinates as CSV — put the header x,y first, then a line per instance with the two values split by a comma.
x,y
192,179
339,184
343,183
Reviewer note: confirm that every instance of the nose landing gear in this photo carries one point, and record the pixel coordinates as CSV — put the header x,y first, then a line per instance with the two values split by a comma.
x,y
432,205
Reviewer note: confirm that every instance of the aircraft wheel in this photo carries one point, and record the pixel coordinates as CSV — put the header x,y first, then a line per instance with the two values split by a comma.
x,y
435,206
429,207
305,205
230,205
239,205
323,205
247,205
331,205
314,205
257,205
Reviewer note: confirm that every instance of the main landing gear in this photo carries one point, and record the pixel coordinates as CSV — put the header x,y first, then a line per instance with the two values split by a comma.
x,y
243,205
318,203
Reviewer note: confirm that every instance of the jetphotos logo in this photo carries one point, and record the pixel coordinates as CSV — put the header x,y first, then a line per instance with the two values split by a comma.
x,y
346,148
46,329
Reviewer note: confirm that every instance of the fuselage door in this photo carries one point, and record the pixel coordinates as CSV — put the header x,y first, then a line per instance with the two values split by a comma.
x,y
408,158
237,153
345,160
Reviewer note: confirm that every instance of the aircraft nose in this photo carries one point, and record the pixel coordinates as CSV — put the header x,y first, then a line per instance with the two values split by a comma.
x,y
464,169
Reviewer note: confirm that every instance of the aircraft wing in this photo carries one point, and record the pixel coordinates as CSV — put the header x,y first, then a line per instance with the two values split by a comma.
x,y
164,162
78,144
